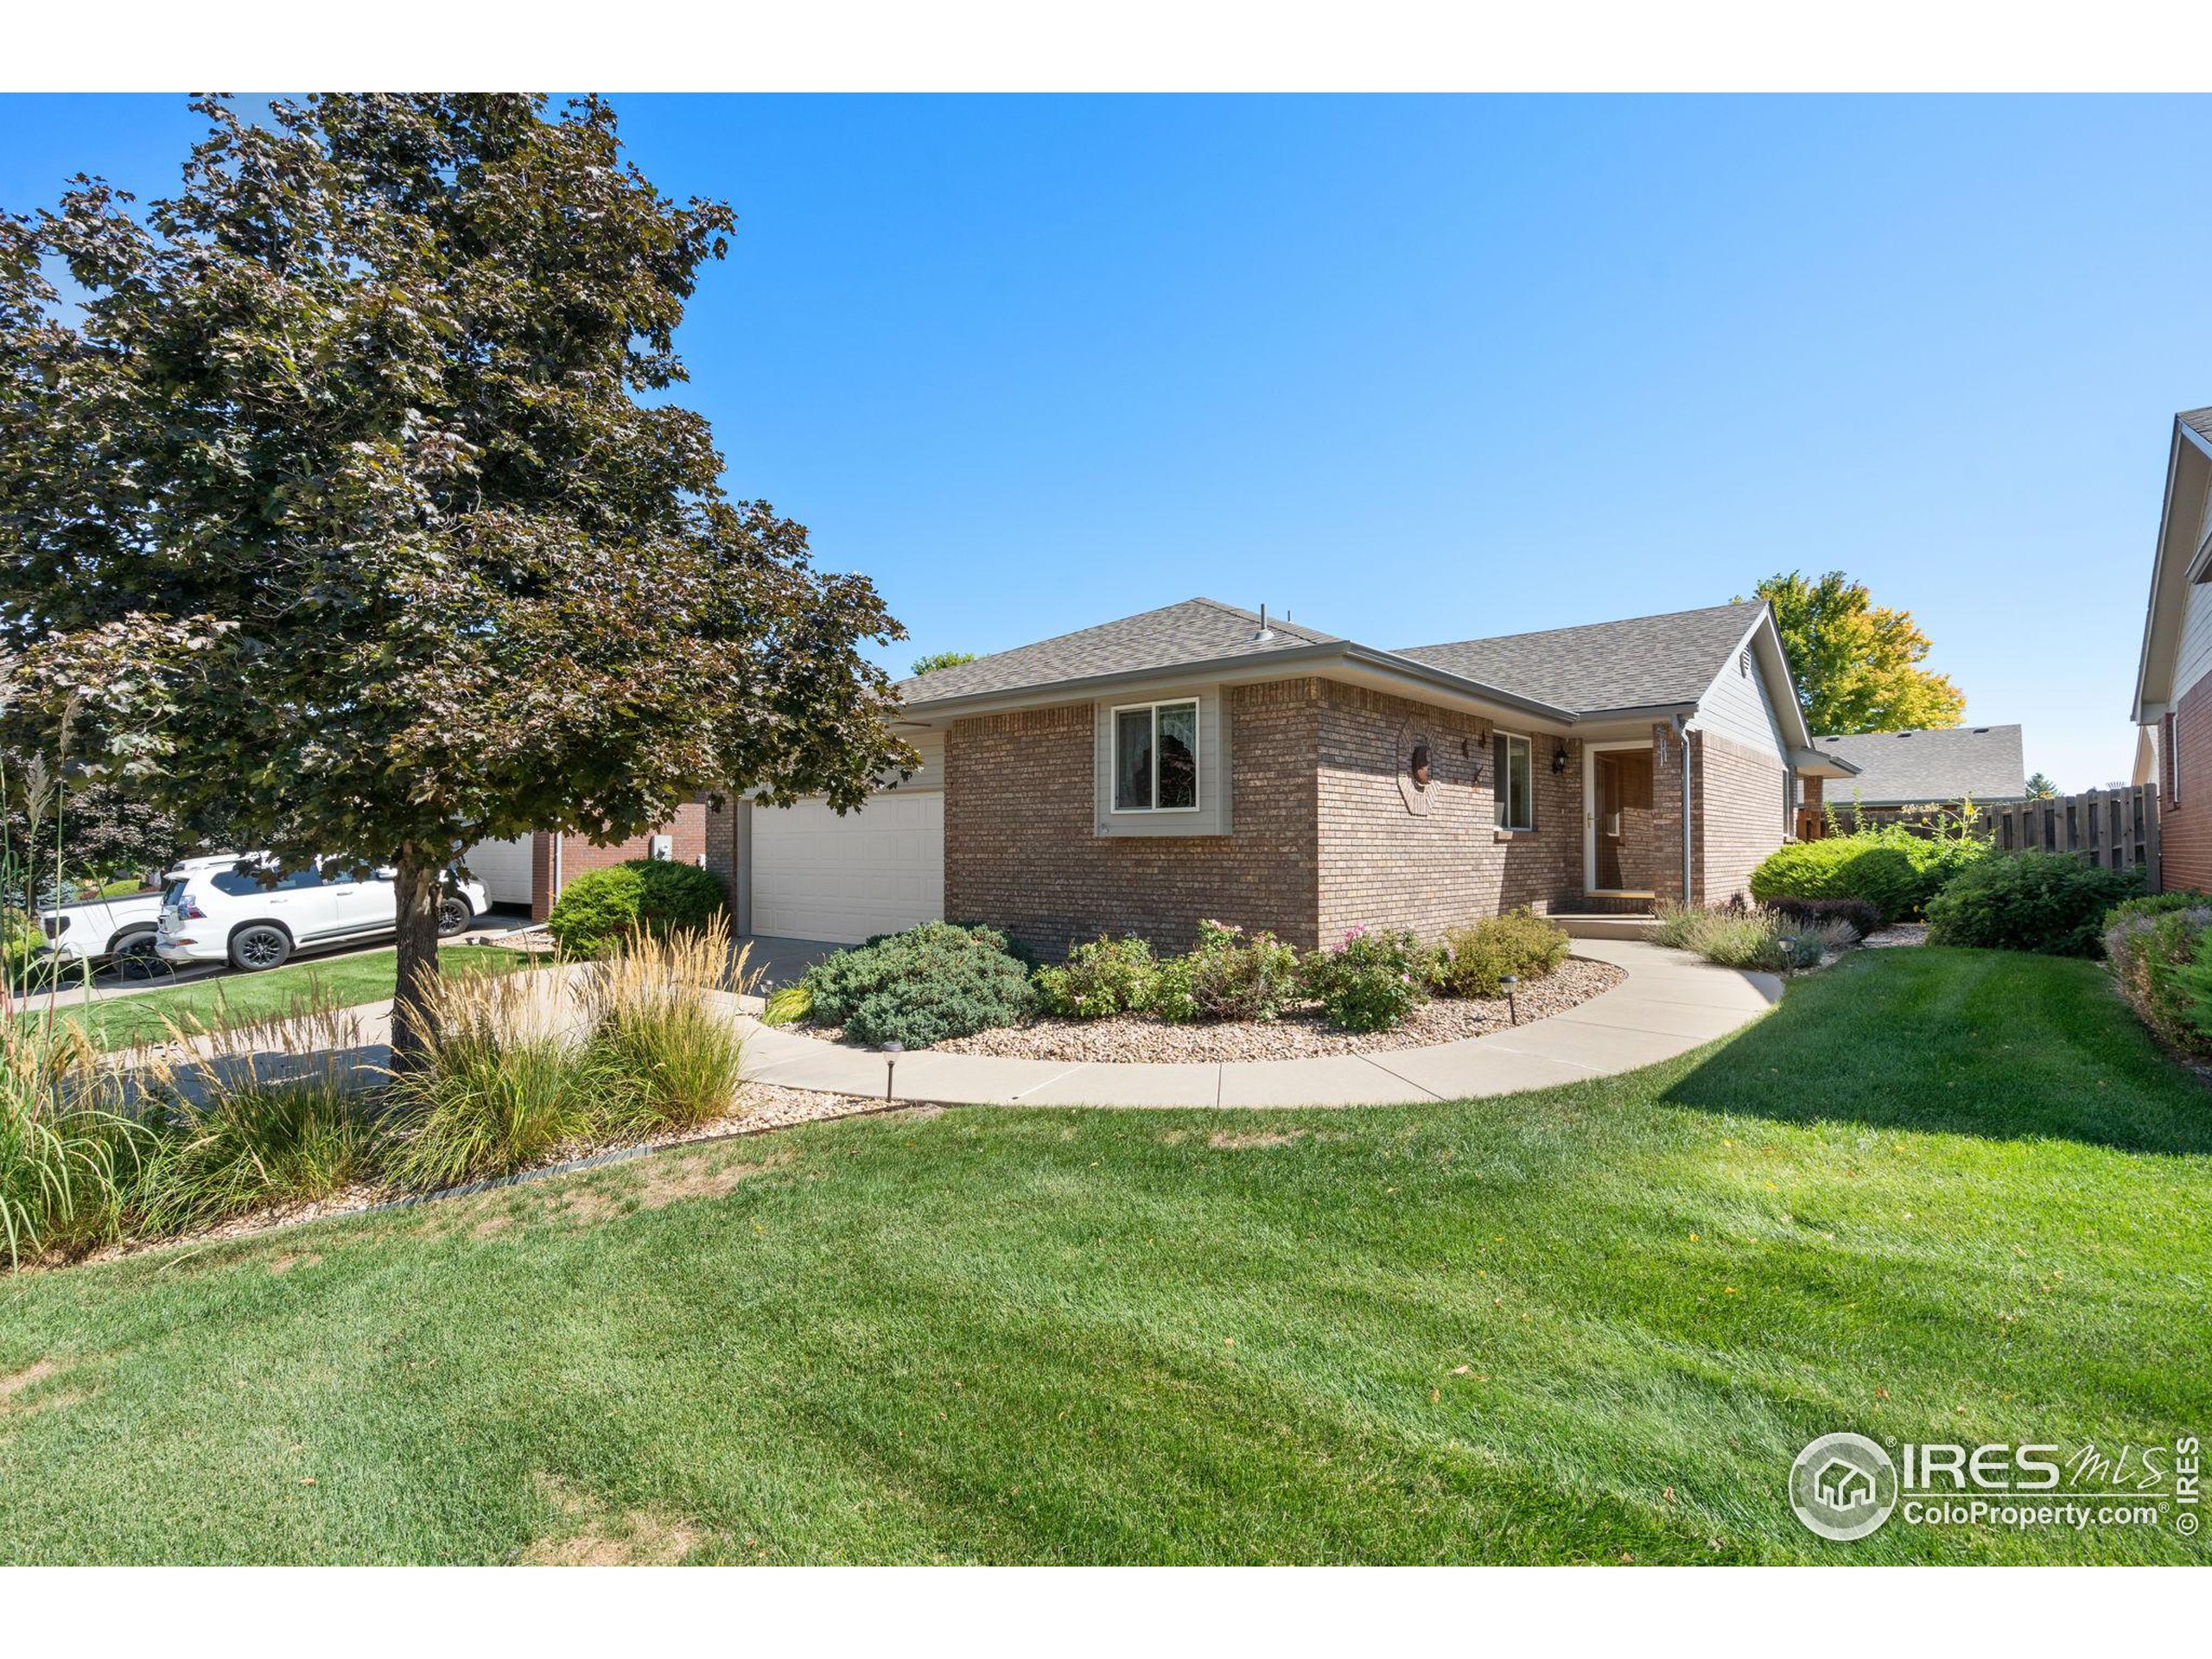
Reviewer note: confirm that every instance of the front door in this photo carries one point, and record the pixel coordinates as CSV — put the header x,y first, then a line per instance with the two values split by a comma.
x,y
1622,853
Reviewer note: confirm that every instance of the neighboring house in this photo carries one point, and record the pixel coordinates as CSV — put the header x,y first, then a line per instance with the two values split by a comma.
x,y
1937,767
2173,695
1199,762
532,869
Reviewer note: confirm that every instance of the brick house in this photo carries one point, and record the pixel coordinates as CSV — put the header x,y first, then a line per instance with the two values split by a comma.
x,y
532,869
1199,761
2173,683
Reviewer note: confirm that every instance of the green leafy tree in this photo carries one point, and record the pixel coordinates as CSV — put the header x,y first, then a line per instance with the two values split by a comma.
x,y
335,508
92,829
2040,788
1857,664
938,659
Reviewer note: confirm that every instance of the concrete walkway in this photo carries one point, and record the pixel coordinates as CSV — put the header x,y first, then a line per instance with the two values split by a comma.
x,y
1671,1002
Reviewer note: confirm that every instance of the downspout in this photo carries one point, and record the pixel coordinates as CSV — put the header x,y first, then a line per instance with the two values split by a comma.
x,y
1682,732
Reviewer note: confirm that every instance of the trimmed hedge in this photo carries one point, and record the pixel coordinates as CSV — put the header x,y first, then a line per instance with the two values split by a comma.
x,y
2151,942
597,910
1890,868
2045,902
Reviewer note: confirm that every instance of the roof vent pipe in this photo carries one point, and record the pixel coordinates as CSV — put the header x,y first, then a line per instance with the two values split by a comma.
x,y
1265,632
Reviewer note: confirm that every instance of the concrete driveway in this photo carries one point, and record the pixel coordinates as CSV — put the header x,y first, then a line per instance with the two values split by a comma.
x,y
780,962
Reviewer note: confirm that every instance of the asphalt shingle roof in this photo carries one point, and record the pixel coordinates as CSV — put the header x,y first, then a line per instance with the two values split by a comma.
x,y
1196,631
1640,662
2198,421
1915,768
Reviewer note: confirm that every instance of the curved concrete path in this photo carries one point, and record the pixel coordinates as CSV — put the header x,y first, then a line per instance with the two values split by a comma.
x,y
1671,1002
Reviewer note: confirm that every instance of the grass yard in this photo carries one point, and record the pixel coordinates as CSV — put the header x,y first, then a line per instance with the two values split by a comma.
x,y
1938,1195
233,999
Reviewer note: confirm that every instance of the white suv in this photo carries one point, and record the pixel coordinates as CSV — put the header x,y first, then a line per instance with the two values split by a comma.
x,y
243,917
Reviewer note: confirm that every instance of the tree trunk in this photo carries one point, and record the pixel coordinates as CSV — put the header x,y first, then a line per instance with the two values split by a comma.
x,y
419,890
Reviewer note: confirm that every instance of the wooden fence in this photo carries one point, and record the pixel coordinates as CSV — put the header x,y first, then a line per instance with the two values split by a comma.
x,y
2117,828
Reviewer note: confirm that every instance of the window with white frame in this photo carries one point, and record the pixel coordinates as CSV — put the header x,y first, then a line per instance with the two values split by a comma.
x,y
1156,757
1516,788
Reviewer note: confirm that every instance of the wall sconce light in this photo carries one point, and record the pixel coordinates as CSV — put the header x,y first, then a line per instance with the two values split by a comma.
x,y
1558,759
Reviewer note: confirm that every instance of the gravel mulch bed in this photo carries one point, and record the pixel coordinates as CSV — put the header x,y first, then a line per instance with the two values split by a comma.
x,y
1297,1035
761,1106
1896,934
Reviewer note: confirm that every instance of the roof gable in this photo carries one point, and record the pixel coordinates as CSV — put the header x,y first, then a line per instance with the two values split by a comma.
x,y
1947,764
1641,663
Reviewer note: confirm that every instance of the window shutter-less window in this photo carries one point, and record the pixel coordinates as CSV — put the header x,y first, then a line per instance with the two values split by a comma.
x,y
1498,786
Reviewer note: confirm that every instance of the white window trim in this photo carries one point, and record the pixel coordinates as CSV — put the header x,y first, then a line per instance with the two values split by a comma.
x,y
1114,758
1500,786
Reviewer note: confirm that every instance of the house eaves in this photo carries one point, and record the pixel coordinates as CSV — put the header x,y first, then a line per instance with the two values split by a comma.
x,y
1383,665
2177,563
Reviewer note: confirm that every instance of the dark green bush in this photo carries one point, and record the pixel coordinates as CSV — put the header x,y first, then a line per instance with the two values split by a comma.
x,y
1371,981
1476,960
2030,902
1892,869
921,987
1105,977
597,910
1232,974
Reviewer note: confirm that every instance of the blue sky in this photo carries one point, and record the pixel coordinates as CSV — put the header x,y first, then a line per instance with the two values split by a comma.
x,y
1415,370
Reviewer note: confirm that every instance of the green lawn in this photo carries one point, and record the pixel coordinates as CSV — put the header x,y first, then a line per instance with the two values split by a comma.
x,y
1939,1195
125,1021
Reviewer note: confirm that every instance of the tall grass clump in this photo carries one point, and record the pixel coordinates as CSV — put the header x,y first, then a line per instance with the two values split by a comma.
x,y
263,1112
1756,939
504,1083
69,1152
662,1047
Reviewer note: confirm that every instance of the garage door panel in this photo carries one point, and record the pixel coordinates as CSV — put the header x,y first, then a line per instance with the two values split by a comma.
x,y
818,875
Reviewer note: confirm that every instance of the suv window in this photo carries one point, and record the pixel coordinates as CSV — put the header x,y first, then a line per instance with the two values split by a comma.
x,y
241,884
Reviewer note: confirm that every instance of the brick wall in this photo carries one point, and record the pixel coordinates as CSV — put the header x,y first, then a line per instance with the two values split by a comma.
x,y
1383,866
1020,851
2185,788
720,833
1740,814
688,828
1321,838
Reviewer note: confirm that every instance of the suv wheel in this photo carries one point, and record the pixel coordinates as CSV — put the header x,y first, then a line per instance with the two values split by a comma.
x,y
454,916
259,946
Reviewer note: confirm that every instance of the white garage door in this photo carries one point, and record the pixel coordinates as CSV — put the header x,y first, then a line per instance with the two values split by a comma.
x,y
504,868
817,875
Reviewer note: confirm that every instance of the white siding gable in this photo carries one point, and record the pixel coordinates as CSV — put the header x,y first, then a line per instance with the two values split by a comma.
x,y
2193,658
1736,706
